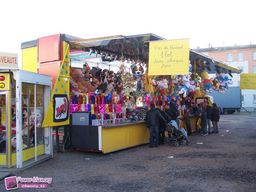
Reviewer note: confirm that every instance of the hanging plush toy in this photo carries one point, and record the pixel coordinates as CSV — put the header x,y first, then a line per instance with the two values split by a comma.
x,y
38,117
206,81
200,66
138,72
86,72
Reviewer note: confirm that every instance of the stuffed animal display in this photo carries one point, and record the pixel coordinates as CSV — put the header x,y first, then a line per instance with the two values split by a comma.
x,y
96,80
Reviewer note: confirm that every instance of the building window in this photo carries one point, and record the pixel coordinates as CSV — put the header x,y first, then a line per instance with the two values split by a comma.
x,y
254,55
254,69
240,57
229,57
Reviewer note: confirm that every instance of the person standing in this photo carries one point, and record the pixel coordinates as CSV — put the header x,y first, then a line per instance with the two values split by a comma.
x,y
187,121
172,111
203,119
215,117
153,118
162,125
209,116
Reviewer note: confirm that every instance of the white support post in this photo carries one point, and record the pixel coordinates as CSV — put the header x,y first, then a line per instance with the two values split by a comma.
x,y
48,141
100,138
19,140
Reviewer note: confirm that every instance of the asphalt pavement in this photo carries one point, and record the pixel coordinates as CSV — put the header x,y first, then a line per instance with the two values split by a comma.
x,y
224,162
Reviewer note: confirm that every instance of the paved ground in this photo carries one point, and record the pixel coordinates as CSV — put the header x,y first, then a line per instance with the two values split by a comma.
x,y
224,162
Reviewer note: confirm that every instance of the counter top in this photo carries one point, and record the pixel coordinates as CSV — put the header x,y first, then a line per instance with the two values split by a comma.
x,y
123,124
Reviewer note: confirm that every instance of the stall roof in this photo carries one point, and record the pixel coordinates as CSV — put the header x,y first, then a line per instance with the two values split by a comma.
x,y
134,47
213,65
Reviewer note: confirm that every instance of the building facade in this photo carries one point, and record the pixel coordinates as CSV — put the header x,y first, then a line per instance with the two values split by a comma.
x,y
242,57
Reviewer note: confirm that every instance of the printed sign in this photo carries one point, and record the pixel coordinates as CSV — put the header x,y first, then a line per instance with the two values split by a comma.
x,y
61,106
248,81
4,81
169,57
8,59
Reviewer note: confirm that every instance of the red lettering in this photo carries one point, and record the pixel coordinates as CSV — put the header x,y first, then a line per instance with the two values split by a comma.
x,y
5,59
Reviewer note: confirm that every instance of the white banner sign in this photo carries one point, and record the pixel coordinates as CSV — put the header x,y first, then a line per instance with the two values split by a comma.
x,y
8,59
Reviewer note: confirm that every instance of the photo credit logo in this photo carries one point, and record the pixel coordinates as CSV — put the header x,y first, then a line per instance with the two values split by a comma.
x,y
11,183
27,182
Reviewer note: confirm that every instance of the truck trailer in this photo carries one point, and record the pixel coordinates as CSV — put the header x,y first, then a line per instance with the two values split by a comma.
x,y
229,101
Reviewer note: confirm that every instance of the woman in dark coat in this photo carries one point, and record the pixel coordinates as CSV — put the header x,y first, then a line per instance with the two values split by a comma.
x,y
153,118
215,117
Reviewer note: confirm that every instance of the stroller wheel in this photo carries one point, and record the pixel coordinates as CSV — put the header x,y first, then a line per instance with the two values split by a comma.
x,y
176,144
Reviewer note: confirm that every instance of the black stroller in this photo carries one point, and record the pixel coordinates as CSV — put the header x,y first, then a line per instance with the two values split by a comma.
x,y
176,136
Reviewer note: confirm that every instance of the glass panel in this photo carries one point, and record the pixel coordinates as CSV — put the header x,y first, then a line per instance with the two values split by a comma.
x,y
13,117
3,123
28,111
39,113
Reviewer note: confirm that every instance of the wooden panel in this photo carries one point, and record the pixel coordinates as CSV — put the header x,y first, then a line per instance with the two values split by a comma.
x,y
49,48
117,138
29,59
52,69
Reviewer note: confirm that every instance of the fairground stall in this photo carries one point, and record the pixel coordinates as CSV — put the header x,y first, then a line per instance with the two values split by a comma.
x,y
24,97
103,86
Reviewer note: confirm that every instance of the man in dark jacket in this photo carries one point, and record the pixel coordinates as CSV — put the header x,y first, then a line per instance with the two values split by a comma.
x,y
215,118
209,116
153,118
203,119
162,125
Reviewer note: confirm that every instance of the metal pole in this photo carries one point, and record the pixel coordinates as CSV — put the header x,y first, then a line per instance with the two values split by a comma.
x,y
35,133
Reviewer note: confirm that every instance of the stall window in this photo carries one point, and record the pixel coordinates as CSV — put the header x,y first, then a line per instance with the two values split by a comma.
x,y
3,123
27,116
240,57
13,117
32,103
4,111
229,57
39,113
